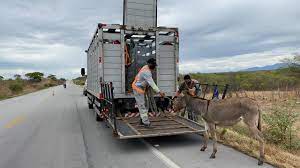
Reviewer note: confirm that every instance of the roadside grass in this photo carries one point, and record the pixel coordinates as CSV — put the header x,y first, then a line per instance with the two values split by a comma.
x,y
79,81
273,154
13,88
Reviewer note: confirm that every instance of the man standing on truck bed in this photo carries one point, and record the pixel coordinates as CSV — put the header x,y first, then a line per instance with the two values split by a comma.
x,y
143,80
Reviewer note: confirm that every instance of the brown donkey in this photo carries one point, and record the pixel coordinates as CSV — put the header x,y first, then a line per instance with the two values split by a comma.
x,y
225,112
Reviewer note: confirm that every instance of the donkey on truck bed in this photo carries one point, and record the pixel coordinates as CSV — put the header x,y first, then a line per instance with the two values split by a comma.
x,y
225,112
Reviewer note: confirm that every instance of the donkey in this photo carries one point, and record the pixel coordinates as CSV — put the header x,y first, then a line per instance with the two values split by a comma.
x,y
225,112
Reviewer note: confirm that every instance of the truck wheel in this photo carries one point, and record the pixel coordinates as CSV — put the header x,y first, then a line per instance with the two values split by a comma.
x,y
98,118
90,106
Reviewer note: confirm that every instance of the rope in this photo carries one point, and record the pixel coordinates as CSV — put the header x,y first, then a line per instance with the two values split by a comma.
x,y
150,99
171,100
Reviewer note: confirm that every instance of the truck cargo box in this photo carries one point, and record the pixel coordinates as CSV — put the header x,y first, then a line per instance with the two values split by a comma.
x,y
140,13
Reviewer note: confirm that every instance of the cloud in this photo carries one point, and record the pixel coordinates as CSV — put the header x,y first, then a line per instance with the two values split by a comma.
x,y
238,62
51,35
227,28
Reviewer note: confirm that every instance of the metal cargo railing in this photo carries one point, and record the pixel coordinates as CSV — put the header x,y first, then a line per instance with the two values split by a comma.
x,y
107,104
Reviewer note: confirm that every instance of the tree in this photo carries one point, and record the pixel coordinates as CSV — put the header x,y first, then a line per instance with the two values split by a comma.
x,y
296,60
52,77
62,79
293,63
17,77
35,76
1,78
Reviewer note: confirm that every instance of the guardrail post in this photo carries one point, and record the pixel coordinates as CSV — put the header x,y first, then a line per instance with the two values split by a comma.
x,y
225,91
215,92
101,96
205,91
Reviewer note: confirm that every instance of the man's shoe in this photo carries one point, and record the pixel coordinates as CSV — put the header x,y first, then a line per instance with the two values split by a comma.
x,y
145,125
141,122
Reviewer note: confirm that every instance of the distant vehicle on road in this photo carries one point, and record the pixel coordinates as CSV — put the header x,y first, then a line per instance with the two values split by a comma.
x,y
85,88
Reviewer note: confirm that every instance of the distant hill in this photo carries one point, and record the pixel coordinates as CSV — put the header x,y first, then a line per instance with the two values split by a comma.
x,y
267,67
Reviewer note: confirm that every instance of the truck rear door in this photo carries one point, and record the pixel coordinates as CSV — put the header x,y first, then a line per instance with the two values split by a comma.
x,y
140,13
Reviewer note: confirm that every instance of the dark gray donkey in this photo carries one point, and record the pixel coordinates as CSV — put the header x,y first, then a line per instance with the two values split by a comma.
x,y
225,112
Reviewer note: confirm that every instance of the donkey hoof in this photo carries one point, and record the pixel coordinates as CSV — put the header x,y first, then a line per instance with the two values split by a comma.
x,y
260,162
212,156
203,148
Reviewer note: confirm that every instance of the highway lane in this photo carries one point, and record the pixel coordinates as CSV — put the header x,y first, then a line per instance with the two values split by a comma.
x,y
47,135
42,130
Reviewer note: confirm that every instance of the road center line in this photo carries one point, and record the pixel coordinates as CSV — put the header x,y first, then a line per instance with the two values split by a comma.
x,y
14,122
167,161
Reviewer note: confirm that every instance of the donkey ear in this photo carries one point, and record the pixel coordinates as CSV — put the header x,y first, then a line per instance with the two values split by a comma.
x,y
185,92
182,94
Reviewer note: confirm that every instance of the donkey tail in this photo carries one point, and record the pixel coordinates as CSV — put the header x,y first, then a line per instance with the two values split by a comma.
x,y
259,120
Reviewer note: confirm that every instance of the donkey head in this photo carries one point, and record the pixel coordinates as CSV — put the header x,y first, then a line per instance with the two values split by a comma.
x,y
179,103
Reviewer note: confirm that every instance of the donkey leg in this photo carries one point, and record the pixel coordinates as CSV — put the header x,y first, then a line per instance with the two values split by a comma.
x,y
214,138
206,137
258,135
204,146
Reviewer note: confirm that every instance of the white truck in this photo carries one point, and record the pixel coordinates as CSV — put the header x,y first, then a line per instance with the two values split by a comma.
x,y
114,57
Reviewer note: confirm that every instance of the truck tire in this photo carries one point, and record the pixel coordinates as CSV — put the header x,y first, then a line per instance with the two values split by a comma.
x,y
90,106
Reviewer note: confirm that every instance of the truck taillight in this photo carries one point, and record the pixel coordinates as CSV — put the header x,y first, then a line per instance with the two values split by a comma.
x,y
101,96
176,34
101,25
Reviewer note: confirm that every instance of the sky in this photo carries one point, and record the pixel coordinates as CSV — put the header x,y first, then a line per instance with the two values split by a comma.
x,y
51,36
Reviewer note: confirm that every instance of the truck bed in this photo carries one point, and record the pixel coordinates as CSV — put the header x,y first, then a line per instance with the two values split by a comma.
x,y
160,126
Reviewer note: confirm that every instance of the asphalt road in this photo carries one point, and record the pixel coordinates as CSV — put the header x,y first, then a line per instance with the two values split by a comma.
x,y
54,128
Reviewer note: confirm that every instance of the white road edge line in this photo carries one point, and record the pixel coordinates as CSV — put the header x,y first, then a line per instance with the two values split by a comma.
x,y
168,162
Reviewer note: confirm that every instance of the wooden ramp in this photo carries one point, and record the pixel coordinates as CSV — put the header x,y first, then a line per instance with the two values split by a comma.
x,y
160,126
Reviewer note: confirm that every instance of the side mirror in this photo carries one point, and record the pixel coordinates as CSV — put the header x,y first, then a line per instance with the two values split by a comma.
x,y
82,72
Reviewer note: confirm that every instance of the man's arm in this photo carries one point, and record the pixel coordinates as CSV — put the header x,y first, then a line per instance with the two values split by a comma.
x,y
150,81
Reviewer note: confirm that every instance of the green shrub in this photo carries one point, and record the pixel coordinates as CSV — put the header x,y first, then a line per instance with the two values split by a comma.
x,y
241,128
35,76
280,128
49,85
16,87
52,77
79,82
